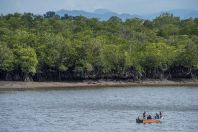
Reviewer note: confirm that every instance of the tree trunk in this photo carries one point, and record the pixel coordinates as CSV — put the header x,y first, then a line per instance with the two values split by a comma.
x,y
26,77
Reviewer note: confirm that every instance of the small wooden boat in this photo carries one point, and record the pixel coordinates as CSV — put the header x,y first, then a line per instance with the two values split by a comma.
x,y
151,121
148,121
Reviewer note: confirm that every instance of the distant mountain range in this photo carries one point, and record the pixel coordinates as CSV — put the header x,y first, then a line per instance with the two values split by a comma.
x,y
104,14
182,13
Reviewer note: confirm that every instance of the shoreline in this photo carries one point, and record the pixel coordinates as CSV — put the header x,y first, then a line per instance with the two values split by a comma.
x,y
19,85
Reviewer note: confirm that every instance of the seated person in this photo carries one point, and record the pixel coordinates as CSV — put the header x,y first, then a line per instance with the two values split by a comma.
x,y
160,115
149,117
157,116
144,115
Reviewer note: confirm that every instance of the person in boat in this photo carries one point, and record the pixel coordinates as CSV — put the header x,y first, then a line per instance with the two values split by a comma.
x,y
144,115
160,114
149,117
157,116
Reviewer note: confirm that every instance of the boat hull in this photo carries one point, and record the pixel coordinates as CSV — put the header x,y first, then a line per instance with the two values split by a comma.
x,y
148,120
151,121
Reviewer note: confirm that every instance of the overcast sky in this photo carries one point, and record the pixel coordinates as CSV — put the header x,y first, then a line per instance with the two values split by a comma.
x,y
120,6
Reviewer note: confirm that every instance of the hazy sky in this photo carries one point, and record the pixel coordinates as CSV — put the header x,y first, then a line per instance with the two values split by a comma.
x,y
120,6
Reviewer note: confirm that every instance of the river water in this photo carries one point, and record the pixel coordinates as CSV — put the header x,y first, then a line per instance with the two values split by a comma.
x,y
99,109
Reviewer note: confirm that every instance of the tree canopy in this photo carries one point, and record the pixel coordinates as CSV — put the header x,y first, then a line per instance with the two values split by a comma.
x,y
55,48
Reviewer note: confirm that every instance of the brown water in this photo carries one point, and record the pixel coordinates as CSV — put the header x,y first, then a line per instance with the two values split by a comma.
x,y
99,110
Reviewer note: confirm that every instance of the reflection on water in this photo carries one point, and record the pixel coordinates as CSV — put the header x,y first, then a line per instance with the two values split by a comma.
x,y
98,110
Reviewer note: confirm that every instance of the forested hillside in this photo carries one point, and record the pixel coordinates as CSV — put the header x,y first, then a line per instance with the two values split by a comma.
x,y
54,48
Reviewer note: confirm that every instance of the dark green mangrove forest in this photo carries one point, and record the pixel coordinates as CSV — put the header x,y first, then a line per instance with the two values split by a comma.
x,y
53,48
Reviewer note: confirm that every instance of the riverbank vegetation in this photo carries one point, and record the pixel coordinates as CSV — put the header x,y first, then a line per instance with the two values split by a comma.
x,y
54,48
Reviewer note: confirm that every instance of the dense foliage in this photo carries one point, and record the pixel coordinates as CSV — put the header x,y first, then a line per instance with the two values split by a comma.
x,y
50,47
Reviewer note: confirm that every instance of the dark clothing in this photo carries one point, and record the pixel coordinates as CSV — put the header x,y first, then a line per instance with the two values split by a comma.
x,y
160,114
149,117
157,116
144,115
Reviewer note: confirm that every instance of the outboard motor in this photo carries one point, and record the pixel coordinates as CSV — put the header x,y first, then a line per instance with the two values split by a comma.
x,y
139,121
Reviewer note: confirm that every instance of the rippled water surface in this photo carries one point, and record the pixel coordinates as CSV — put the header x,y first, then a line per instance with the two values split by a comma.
x,y
98,110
